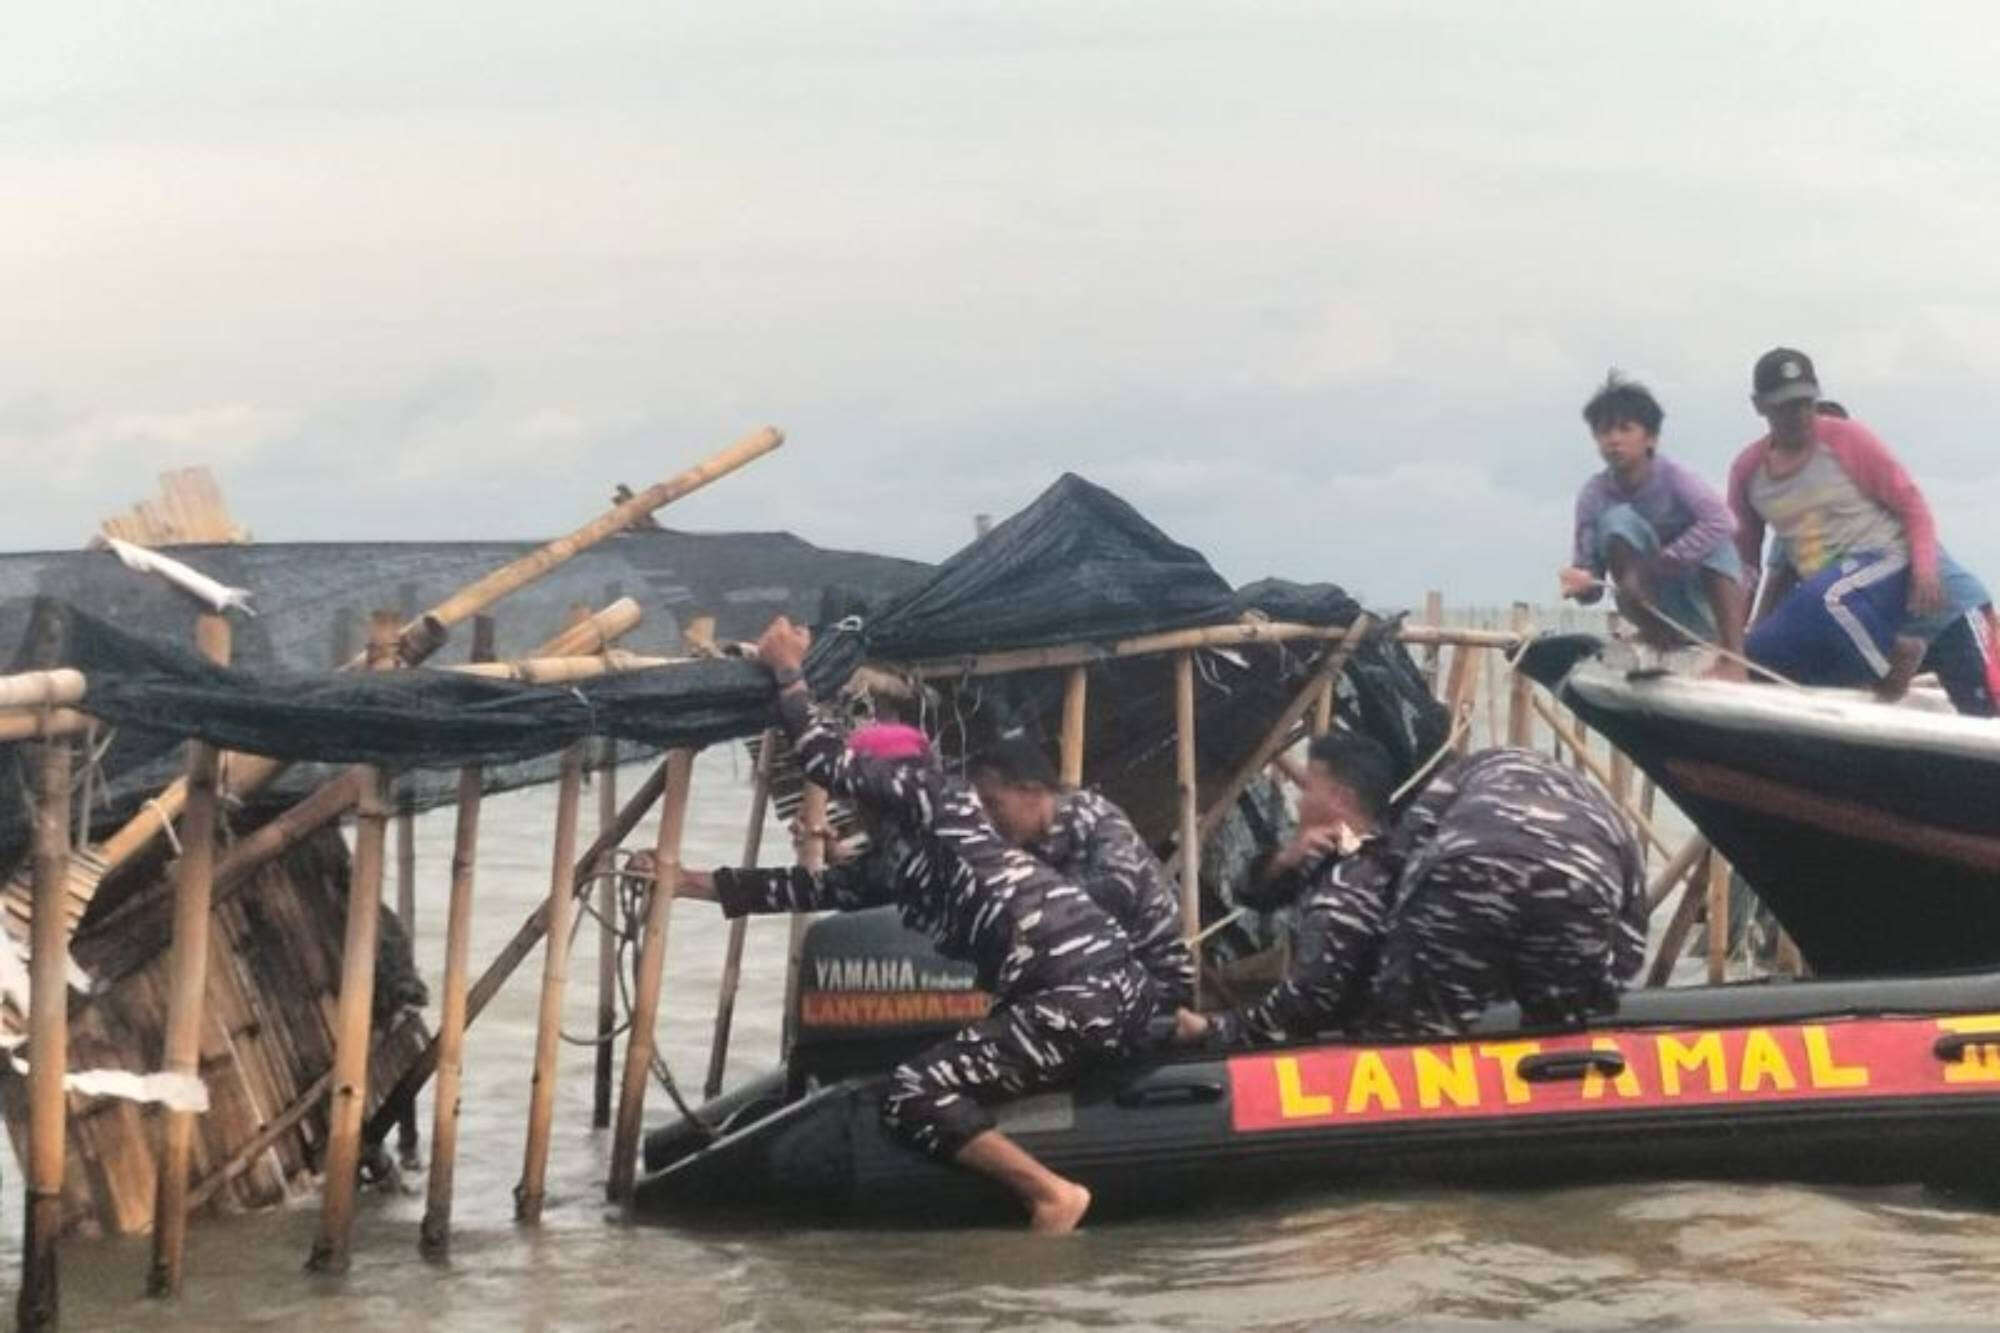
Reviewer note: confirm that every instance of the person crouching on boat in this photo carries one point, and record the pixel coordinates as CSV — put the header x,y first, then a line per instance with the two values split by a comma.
x,y
1660,532
1856,586
1067,991
1508,878
1089,841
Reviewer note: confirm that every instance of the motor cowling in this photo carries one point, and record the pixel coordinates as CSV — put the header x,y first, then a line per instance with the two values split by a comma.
x,y
872,992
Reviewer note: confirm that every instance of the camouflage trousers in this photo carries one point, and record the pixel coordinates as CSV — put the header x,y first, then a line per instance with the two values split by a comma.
x,y
938,1101
1481,930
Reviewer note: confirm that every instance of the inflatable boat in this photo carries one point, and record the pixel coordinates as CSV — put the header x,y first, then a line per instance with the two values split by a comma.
x,y
1842,1081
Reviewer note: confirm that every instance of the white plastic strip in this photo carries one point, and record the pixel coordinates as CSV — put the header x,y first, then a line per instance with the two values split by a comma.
x,y
217,596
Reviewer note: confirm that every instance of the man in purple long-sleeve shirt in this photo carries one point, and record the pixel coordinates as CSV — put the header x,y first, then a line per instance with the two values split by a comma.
x,y
1662,534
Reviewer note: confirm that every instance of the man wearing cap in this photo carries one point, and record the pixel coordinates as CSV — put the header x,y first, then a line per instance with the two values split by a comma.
x,y
1853,579
1066,988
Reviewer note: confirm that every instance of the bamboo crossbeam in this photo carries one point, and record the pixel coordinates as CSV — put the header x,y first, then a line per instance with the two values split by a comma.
x,y
24,724
434,1233
188,970
511,954
354,1012
562,670
561,906
732,957
42,689
1210,636
639,1045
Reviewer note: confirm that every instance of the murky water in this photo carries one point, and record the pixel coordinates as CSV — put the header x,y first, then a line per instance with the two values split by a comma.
x,y
1626,1256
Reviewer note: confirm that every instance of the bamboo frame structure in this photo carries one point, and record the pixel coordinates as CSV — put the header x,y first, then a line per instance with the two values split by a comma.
x,y
194,883
425,634
639,1046
732,956
331,1248
434,1233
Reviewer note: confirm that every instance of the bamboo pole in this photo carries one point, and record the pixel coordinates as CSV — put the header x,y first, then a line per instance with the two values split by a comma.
x,y
605,895
1790,961
1678,868
1434,617
563,670
1209,636
38,1303
248,774
1718,918
47,688
1076,693
555,981
188,972
479,595
1460,682
1563,732
812,855
511,955
652,963
732,957
1520,725
1185,778
357,996
30,724
1674,940
1324,677
434,1234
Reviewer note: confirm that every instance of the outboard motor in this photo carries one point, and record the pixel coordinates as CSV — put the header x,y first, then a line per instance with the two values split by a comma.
x,y
871,992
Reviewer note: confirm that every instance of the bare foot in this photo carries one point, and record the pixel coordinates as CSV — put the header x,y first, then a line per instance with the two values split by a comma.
x,y
1062,1213
1905,656
1724,669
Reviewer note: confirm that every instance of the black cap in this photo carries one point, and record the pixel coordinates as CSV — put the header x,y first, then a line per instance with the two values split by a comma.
x,y
1783,376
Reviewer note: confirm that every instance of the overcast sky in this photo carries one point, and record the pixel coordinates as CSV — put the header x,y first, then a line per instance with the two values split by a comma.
x,y
1319,288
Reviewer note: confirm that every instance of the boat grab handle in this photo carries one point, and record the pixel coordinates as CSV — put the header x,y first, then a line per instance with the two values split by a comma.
x,y
1191,1093
1570,1064
1957,1045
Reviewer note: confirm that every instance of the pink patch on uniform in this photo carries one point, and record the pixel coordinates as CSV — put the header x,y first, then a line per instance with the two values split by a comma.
x,y
892,741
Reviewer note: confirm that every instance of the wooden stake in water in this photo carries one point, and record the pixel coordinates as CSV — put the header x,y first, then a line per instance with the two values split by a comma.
x,y
188,970
652,964
1185,781
48,1023
604,893
434,1235
555,981
732,956
355,1015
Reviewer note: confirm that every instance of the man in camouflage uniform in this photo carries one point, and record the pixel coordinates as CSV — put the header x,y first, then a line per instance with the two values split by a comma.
x,y
1508,878
1066,989
1089,841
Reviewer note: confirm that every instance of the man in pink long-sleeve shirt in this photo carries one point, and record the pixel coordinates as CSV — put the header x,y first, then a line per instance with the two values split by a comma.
x,y
1855,554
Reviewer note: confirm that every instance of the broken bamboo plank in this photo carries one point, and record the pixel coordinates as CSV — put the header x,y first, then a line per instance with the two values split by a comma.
x,y
732,957
434,1233
561,907
38,1303
330,1251
652,965
193,887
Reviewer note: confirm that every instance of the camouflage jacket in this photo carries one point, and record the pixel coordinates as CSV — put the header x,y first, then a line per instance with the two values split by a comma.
x,y
1093,844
